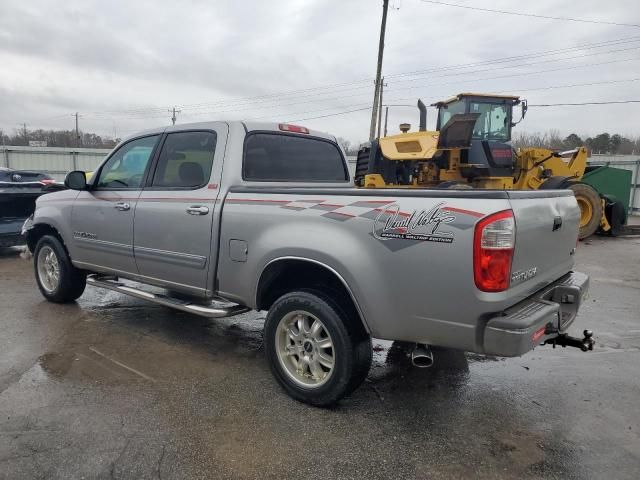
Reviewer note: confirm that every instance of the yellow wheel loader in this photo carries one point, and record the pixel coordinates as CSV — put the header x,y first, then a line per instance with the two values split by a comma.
x,y
470,148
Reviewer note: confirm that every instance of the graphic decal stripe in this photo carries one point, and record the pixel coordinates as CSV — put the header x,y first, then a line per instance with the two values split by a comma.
x,y
291,207
366,209
370,203
325,207
392,212
256,201
342,217
466,212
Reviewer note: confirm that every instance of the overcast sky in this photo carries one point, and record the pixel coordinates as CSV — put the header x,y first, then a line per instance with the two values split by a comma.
x,y
122,64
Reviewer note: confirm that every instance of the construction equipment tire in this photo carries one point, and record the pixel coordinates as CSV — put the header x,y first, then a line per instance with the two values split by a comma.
x,y
452,185
590,208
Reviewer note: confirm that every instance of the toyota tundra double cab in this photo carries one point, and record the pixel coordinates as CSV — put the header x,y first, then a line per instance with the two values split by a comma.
x,y
220,218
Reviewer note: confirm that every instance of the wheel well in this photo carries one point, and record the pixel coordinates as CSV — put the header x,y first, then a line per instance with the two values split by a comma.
x,y
289,275
39,231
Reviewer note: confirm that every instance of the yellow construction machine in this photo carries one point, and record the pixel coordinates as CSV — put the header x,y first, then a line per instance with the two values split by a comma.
x,y
470,148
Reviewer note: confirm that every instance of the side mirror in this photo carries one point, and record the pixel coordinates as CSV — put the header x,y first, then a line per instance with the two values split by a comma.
x,y
525,107
76,180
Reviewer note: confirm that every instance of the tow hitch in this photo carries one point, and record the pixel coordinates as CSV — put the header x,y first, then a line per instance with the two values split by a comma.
x,y
585,344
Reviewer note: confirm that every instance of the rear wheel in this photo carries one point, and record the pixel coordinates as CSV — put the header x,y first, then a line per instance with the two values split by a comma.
x,y
316,352
590,208
58,280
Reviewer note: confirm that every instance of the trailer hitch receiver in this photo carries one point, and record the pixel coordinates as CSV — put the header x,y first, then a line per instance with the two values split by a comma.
x,y
585,344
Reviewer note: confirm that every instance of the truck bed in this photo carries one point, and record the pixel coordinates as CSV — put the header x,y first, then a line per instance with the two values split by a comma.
x,y
410,286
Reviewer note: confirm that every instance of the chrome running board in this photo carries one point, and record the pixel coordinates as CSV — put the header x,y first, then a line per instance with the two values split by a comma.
x,y
224,309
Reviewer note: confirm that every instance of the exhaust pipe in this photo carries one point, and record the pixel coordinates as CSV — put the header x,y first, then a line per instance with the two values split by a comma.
x,y
423,116
421,356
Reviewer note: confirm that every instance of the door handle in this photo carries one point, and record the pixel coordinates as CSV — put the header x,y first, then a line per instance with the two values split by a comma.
x,y
122,206
197,210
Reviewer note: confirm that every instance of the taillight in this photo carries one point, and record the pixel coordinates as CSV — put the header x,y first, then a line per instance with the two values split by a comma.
x,y
292,128
493,244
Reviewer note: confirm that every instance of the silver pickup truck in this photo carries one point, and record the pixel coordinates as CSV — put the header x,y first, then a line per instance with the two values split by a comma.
x,y
219,218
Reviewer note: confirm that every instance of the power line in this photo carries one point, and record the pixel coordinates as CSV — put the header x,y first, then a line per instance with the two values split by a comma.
x,y
535,105
280,115
522,14
366,82
586,55
537,72
544,53
251,105
613,102
316,98
549,87
589,84
331,114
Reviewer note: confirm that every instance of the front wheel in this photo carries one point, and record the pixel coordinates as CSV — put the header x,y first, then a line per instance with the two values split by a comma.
x,y
316,352
58,280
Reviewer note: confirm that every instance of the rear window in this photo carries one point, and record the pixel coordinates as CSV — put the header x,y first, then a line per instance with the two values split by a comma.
x,y
272,157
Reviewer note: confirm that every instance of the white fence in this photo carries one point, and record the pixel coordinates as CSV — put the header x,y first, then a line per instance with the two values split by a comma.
x,y
55,161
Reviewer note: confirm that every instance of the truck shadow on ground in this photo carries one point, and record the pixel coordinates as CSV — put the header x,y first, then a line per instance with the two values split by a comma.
x,y
143,333
216,372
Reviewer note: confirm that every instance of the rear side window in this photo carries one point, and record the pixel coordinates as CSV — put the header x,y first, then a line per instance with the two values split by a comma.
x,y
186,160
277,157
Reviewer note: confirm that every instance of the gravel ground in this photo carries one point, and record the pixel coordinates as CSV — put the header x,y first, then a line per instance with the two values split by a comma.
x,y
112,387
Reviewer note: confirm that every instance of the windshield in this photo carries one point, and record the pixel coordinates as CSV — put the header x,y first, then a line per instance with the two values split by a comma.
x,y
493,122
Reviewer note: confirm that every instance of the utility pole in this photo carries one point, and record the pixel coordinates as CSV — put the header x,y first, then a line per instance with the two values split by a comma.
x,y
376,95
382,85
386,119
78,142
174,115
25,134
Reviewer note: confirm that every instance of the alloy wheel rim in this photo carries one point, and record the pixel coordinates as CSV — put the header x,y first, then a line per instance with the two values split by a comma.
x,y
48,269
305,349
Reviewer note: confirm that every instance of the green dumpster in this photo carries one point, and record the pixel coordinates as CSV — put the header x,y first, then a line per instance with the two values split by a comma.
x,y
614,184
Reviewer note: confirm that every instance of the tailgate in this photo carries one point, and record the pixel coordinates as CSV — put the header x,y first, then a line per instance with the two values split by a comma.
x,y
547,224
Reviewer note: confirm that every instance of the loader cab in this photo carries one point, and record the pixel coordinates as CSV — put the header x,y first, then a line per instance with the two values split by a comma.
x,y
490,154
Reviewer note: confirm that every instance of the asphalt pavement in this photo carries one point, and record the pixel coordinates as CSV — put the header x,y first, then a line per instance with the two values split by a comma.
x,y
113,387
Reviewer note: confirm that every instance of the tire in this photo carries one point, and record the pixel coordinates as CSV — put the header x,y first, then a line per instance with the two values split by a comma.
x,y
58,280
616,216
295,363
590,208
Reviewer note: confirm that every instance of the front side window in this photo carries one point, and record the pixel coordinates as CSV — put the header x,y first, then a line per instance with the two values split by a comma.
x,y
447,111
493,123
185,160
278,157
126,167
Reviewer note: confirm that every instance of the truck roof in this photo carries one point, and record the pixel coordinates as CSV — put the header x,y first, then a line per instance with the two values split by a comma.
x,y
248,126
460,96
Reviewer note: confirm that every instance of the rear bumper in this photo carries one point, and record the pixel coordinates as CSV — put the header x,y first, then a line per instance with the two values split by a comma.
x,y
543,315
